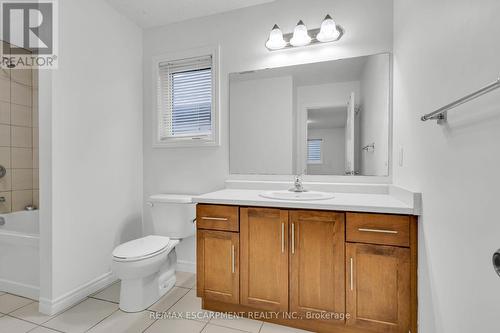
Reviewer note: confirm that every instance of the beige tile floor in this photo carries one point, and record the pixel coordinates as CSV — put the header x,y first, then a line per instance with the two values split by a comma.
x,y
100,313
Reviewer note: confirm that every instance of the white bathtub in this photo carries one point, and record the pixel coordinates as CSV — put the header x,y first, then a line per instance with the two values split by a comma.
x,y
19,254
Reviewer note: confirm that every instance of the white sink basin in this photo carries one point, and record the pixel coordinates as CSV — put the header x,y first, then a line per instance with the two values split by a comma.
x,y
296,196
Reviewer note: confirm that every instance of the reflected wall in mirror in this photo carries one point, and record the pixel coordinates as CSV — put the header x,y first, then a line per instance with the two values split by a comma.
x,y
327,118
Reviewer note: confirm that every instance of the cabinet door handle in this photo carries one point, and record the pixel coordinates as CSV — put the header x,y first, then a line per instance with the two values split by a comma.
x,y
282,237
380,231
352,275
214,218
293,238
232,259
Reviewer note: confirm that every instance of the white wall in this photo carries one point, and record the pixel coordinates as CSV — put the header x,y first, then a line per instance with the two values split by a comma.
x,y
241,35
91,122
262,126
374,115
333,151
444,50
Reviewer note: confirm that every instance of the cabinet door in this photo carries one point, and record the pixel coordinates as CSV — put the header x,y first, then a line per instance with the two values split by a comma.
x,y
218,271
264,258
317,271
378,287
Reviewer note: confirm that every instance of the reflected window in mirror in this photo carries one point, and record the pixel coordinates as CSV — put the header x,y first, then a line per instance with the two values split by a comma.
x,y
314,154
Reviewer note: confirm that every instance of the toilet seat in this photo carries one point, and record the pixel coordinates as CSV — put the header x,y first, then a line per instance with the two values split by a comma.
x,y
143,248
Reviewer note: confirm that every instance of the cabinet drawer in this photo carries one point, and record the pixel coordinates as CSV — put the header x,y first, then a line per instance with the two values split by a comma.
x,y
217,217
378,229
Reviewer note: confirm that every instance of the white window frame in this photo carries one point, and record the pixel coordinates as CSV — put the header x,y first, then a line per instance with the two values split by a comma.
x,y
189,141
320,152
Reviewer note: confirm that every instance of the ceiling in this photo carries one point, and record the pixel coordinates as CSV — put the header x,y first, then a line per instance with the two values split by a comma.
x,y
152,13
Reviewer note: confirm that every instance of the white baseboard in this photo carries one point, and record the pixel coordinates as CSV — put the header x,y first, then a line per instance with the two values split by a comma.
x,y
51,307
186,266
21,289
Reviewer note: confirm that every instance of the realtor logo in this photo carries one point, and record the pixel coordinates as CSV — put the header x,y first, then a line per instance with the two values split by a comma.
x,y
29,34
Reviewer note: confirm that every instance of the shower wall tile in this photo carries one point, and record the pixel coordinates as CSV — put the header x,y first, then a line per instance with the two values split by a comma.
x,y
36,181
21,115
21,94
21,137
22,76
35,137
5,207
21,199
35,108
34,76
36,198
5,157
35,116
35,158
22,179
5,74
4,135
5,181
22,158
4,90
4,113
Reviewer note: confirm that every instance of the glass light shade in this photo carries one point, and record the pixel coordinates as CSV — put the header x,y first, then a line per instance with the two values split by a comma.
x,y
275,41
300,35
328,31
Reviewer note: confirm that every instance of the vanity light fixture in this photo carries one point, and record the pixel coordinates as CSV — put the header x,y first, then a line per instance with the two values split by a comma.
x,y
301,36
328,31
275,41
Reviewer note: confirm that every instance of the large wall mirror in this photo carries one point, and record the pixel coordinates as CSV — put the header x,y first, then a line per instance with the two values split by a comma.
x,y
326,118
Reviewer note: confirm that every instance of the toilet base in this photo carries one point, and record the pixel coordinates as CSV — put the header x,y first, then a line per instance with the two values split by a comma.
x,y
138,294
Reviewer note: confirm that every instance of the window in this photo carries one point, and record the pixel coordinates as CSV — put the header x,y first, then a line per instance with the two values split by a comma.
x,y
186,102
314,154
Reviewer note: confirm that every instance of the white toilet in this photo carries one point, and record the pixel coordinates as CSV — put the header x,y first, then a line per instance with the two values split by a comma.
x,y
146,266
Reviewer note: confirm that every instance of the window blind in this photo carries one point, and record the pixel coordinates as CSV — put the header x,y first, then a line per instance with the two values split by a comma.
x,y
314,151
185,98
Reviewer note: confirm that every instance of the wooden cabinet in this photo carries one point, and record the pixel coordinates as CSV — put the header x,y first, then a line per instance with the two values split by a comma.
x,y
264,258
309,264
380,229
217,217
218,266
317,279
378,288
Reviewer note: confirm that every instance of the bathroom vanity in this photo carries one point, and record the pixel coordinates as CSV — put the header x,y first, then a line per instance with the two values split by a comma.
x,y
347,264
344,260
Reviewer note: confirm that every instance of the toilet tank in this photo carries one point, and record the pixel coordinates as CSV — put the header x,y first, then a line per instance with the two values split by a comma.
x,y
173,215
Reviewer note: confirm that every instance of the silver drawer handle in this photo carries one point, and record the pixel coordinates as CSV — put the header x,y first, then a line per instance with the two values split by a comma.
x,y
293,238
282,237
214,218
352,275
380,231
232,259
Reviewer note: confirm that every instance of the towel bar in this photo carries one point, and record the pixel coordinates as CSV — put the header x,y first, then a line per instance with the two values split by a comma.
x,y
441,114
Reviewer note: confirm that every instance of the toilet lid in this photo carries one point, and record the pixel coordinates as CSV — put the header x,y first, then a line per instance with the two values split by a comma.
x,y
141,247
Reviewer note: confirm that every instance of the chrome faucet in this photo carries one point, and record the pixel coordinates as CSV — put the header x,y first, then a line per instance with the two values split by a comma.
x,y
297,184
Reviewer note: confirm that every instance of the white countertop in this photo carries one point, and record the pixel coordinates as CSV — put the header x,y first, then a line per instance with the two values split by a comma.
x,y
353,202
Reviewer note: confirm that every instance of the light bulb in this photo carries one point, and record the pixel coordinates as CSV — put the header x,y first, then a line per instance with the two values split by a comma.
x,y
328,31
275,41
300,35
